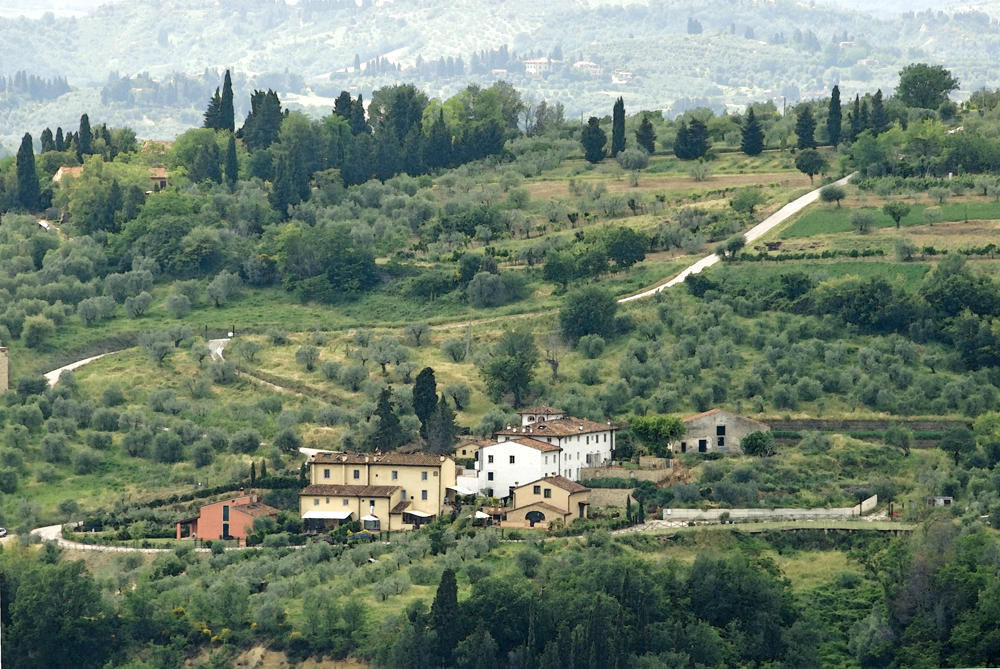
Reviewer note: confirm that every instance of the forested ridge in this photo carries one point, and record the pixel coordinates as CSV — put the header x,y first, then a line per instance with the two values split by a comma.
x,y
405,270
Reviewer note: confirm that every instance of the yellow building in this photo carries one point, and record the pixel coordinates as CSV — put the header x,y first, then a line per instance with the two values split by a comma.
x,y
394,491
469,449
538,503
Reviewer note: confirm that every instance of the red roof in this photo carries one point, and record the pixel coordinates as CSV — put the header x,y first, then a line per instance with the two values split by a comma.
x,y
700,415
529,442
560,427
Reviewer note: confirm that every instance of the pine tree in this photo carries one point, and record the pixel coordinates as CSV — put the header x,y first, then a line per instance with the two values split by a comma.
x,y
60,144
445,620
645,136
388,434
752,142
441,429
227,116
342,106
48,143
232,166
28,192
878,119
834,117
424,397
593,140
805,128
84,138
618,127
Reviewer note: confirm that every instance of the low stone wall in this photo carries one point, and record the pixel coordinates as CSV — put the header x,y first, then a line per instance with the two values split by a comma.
x,y
715,515
654,475
860,425
650,462
609,496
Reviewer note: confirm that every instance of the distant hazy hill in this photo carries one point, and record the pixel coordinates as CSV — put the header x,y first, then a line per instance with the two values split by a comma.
x,y
668,54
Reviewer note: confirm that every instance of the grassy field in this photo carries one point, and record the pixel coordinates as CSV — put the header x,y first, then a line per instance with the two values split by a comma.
x,y
750,273
828,220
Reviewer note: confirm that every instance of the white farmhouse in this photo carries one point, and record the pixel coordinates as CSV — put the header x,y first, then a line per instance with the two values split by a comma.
x,y
506,465
547,443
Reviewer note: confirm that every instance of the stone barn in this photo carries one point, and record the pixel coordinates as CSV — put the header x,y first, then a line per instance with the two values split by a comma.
x,y
716,431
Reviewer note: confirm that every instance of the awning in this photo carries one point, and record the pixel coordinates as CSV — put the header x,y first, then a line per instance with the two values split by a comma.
x,y
482,516
369,518
460,490
419,514
327,515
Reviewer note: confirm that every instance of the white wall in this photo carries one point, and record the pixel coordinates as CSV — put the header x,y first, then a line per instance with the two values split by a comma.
x,y
529,465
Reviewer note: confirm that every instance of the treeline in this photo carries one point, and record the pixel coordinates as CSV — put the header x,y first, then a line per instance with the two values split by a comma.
x,y
33,86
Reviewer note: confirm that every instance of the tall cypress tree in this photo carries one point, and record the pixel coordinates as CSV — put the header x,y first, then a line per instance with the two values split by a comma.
x,y
445,618
283,192
645,136
856,127
85,138
48,143
263,123
752,142
388,434
213,113
437,145
424,397
805,128
231,164
60,145
441,429
878,119
28,192
834,117
358,123
618,127
593,140
227,116
864,117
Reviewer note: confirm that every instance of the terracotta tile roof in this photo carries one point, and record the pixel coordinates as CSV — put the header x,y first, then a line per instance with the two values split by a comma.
x,y
349,490
417,459
402,506
543,505
67,171
536,444
256,509
541,409
561,427
564,483
700,415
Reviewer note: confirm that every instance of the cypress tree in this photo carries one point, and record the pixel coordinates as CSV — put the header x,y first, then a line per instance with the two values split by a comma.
x,y
232,166
593,140
84,138
752,142
437,145
358,123
342,106
283,192
424,397
445,619
253,473
692,140
213,113
864,118
263,469
645,136
389,434
227,116
805,128
879,120
28,192
48,143
60,145
263,123
618,127
834,117
855,114
441,429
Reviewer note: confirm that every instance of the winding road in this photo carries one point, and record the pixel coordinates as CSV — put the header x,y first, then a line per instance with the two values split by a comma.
x,y
752,235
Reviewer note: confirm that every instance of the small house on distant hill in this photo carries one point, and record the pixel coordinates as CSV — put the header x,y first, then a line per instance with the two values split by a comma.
x,y
538,503
229,519
716,431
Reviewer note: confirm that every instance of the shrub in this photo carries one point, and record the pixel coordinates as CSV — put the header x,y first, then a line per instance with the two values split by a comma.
x,y
86,461
454,349
591,345
287,440
245,441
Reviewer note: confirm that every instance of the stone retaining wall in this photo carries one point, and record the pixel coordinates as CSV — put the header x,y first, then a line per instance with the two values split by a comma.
x,y
654,475
715,515
610,496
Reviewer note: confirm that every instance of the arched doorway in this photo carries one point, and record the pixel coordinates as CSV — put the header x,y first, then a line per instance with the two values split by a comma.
x,y
534,517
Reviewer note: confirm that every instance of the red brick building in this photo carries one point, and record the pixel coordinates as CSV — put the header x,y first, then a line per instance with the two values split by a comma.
x,y
229,519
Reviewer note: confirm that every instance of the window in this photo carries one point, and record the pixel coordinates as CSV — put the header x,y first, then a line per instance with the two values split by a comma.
x,y
548,493
225,512
346,501
403,495
588,440
423,495
327,500
588,458
357,474
395,474
605,437
326,473
423,476
546,459
512,459
372,525
537,490
722,441
435,473
489,476
720,430
489,459
315,501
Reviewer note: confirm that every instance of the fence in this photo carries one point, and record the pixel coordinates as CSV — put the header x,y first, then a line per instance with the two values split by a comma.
x,y
715,515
